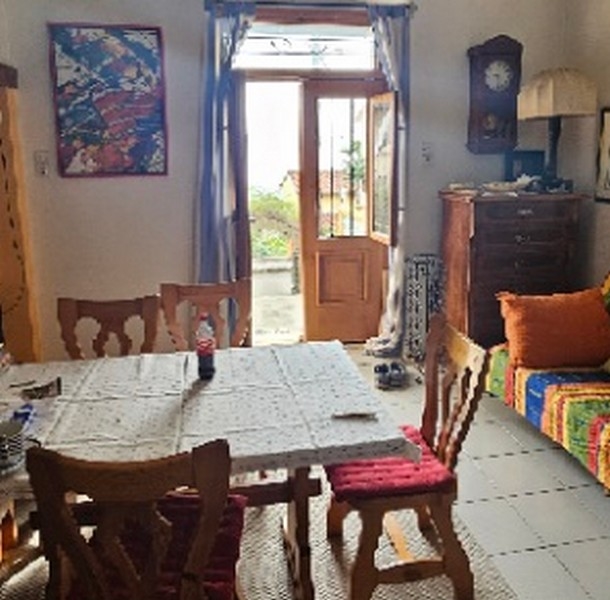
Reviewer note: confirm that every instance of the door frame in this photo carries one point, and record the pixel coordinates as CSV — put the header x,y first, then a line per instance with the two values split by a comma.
x,y
332,313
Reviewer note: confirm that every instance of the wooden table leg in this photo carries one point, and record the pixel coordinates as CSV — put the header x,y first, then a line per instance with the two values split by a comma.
x,y
296,535
8,526
16,547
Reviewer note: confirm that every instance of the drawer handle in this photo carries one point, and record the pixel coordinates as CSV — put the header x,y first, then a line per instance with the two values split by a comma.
x,y
520,239
525,212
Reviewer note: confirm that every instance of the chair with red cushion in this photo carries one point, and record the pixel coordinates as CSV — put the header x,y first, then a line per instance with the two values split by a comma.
x,y
455,369
150,539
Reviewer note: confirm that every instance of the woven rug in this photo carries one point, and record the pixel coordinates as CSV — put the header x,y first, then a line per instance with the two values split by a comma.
x,y
264,574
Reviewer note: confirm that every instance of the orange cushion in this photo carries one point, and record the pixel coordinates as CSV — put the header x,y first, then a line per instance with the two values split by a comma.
x,y
558,330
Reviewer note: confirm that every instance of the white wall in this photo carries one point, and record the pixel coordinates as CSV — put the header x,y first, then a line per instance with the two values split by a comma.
x,y
122,236
106,237
590,23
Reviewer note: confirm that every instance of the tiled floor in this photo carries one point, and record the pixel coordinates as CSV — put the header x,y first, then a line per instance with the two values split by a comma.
x,y
537,512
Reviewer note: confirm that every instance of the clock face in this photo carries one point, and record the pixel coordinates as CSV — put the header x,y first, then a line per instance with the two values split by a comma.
x,y
498,75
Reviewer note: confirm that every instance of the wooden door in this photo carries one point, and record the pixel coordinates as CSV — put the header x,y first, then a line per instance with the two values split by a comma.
x,y
342,266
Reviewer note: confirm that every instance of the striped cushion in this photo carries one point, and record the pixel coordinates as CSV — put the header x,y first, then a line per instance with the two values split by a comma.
x,y
391,476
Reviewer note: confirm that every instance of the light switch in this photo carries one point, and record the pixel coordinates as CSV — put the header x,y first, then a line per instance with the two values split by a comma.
x,y
41,162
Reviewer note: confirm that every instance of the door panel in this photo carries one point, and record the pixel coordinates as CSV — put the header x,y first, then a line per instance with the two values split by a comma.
x,y
342,266
341,278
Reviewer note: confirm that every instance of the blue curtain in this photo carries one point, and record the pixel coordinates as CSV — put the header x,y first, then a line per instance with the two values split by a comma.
x,y
220,198
391,32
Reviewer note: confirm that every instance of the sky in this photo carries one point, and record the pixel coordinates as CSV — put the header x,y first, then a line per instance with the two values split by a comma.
x,y
272,128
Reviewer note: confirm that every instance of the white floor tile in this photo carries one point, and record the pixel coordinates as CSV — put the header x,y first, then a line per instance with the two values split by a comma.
x,y
594,498
588,563
526,434
518,474
473,484
536,575
485,438
497,526
558,517
564,467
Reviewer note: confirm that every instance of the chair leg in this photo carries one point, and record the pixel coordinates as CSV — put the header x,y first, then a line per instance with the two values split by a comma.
x,y
457,565
364,578
424,522
337,511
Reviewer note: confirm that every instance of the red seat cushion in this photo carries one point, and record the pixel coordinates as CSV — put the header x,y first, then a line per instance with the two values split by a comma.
x,y
391,476
182,510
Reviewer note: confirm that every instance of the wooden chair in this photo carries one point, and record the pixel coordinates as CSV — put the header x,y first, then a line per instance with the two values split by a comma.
x,y
144,539
213,299
112,316
455,369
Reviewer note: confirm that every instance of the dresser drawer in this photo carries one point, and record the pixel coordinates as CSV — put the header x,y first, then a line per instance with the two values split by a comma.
x,y
523,232
509,260
523,210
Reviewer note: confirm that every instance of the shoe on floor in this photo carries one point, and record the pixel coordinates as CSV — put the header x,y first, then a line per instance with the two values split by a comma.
x,y
382,376
397,375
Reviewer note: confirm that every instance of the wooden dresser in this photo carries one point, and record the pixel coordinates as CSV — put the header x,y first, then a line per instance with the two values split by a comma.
x,y
490,243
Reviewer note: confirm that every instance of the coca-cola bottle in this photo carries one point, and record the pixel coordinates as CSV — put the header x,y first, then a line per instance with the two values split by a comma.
x,y
205,346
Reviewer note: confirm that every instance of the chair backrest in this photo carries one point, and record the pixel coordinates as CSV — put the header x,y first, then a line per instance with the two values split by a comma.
x,y
212,298
112,316
455,370
125,496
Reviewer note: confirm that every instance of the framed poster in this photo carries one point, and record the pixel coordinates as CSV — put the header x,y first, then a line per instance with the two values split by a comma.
x,y
383,201
109,97
602,187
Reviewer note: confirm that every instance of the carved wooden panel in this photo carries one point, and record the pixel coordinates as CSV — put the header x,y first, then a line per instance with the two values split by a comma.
x,y
15,293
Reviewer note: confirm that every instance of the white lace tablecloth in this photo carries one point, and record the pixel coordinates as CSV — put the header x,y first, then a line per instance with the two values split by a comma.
x,y
278,406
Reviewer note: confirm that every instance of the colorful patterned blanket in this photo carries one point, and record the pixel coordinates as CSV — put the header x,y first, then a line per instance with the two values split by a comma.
x,y
572,407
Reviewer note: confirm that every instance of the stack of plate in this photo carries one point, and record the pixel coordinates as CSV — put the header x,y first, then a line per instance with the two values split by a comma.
x,y
503,187
12,449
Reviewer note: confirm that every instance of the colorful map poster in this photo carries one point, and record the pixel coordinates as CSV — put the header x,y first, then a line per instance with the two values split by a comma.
x,y
109,99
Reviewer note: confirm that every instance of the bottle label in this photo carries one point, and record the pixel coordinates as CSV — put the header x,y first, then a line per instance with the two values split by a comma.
x,y
205,346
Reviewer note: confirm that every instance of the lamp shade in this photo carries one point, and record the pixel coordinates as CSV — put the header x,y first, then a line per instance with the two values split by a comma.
x,y
558,92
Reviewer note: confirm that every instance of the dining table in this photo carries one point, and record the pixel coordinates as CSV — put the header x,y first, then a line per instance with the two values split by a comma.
x,y
282,408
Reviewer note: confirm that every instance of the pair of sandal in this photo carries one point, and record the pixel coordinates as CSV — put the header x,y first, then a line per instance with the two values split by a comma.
x,y
393,375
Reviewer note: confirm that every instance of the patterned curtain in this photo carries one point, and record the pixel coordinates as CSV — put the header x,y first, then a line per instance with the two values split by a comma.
x,y
391,31
221,197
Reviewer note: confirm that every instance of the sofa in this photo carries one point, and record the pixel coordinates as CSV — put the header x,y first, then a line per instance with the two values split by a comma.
x,y
554,370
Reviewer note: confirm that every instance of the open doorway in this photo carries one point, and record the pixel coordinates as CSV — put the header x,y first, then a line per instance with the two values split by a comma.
x,y
316,271
272,115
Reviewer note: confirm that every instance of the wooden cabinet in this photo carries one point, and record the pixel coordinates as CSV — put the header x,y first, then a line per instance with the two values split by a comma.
x,y
491,243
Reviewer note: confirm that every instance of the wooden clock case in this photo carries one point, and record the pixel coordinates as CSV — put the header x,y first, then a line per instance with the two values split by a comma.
x,y
495,77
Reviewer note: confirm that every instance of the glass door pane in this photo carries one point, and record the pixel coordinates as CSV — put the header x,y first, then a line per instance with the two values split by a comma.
x,y
341,185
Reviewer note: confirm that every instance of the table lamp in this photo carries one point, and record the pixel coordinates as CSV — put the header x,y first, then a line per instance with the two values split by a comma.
x,y
553,94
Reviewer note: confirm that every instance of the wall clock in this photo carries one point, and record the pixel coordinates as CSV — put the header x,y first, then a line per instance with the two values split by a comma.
x,y
495,76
